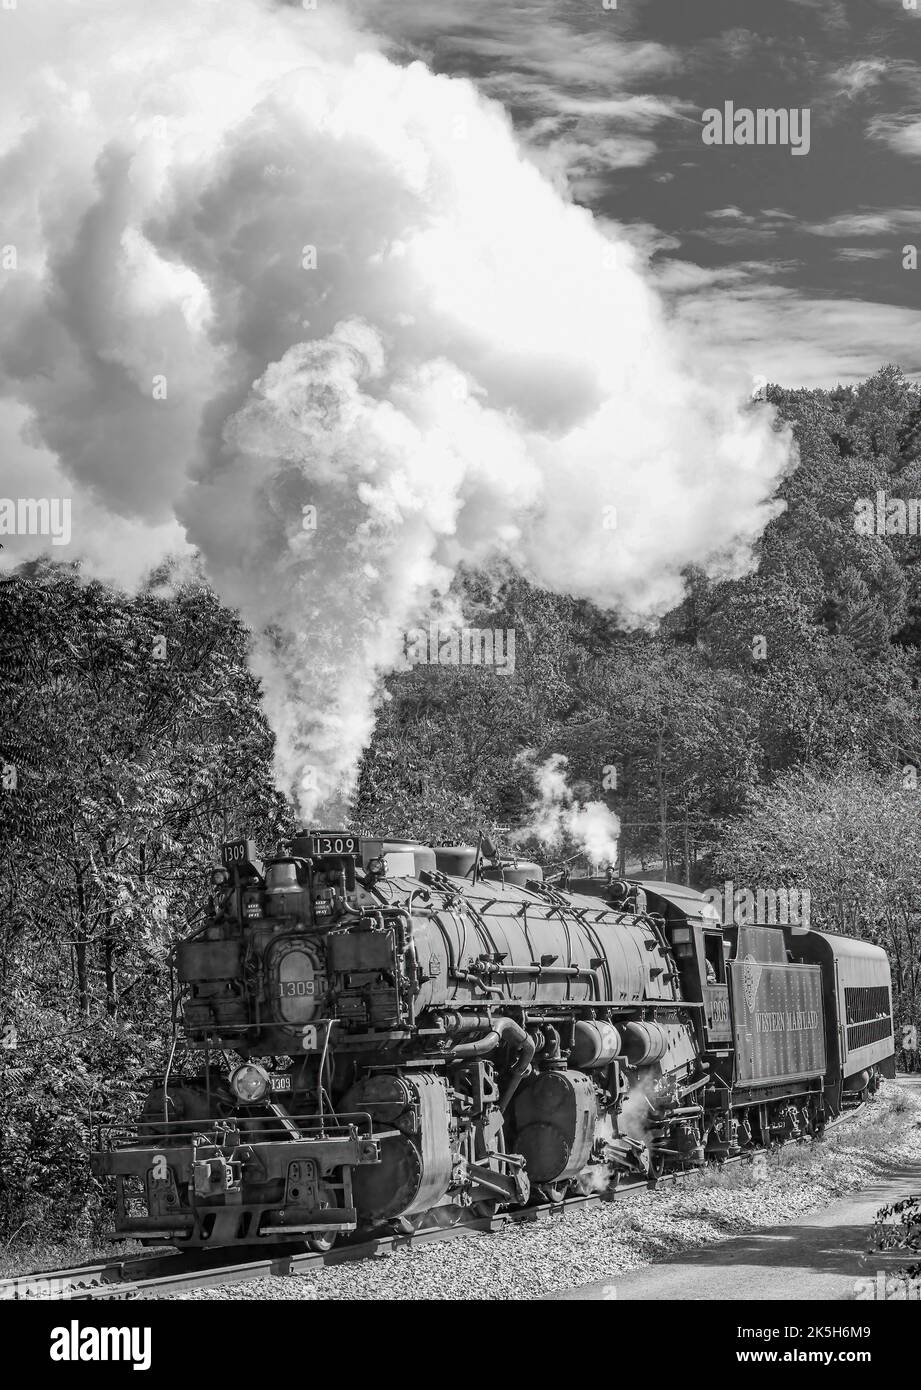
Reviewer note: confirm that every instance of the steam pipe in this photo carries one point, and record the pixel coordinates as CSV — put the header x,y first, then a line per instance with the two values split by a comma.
x,y
519,1070
498,1028
455,1022
502,1028
469,978
481,1048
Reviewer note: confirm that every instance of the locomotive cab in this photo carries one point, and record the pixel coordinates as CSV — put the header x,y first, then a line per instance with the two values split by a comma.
x,y
696,936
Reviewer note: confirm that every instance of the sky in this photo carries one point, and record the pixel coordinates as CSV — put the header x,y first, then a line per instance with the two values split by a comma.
x,y
785,268
794,264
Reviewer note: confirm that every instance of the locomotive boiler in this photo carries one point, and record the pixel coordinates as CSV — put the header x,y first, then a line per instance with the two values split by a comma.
x,y
373,1034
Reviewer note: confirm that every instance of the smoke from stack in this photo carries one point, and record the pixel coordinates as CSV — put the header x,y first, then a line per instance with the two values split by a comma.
x,y
558,819
321,310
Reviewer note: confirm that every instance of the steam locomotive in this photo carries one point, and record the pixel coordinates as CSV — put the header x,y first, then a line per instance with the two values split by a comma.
x,y
375,1034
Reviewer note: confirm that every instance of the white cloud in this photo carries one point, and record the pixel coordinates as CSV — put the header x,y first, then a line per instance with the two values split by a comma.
x,y
873,222
683,277
797,340
853,79
902,133
861,253
571,87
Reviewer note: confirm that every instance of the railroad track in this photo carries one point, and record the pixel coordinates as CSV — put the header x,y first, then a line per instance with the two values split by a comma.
x,y
171,1272
175,1272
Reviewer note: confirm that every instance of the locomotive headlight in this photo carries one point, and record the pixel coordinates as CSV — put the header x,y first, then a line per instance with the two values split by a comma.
x,y
249,1083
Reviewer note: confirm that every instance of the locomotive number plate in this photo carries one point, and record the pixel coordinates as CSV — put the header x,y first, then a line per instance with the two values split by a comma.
x,y
281,1083
303,989
334,842
719,1011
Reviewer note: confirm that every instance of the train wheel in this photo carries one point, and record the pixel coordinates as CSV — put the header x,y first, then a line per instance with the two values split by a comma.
x,y
445,1217
656,1166
552,1191
657,1161
321,1242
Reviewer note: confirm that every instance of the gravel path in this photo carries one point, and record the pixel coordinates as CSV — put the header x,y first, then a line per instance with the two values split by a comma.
x,y
530,1259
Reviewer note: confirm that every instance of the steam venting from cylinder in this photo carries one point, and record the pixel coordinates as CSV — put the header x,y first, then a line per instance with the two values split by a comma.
x,y
318,314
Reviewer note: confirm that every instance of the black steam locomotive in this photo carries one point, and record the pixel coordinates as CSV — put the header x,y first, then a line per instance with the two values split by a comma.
x,y
388,1033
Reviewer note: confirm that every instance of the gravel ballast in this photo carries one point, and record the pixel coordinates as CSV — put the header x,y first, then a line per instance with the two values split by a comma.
x,y
528,1259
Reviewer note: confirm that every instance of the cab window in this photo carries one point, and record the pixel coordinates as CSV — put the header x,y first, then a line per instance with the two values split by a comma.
x,y
714,962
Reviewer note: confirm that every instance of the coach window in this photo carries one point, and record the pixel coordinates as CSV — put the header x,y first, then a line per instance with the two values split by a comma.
x,y
713,958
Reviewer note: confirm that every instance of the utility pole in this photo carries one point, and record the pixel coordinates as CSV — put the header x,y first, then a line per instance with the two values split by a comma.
x,y
663,809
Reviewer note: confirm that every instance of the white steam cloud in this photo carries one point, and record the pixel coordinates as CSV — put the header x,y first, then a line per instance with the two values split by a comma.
x,y
557,817
259,269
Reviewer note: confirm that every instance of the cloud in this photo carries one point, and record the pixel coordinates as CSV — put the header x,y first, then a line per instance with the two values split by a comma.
x,y
795,339
734,227
570,86
902,133
855,78
866,75
733,213
862,253
870,222
683,277
535,38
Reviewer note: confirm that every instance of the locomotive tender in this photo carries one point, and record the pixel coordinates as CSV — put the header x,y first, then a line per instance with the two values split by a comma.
x,y
420,1031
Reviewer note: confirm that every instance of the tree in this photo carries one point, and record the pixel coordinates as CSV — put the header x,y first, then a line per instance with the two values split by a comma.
x,y
852,838
133,731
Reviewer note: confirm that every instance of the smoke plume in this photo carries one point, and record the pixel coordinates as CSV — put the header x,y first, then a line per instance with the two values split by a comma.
x,y
322,311
557,818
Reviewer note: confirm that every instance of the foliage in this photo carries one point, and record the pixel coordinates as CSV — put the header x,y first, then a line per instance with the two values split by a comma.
x,y
898,1227
852,838
133,733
